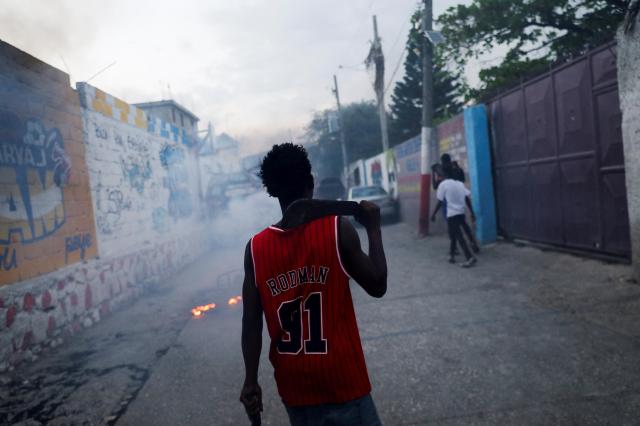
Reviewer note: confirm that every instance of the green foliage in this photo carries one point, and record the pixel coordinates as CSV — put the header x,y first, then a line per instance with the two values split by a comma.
x,y
406,99
537,33
505,75
362,136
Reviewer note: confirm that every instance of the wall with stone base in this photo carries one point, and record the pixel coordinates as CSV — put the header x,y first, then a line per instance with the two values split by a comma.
x,y
65,155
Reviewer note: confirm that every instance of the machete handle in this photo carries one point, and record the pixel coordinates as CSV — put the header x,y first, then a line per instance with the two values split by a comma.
x,y
304,211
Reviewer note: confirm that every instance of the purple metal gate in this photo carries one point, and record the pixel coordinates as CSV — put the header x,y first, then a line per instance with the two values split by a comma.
x,y
558,157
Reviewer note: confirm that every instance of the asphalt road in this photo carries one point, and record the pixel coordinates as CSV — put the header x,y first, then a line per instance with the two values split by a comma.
x,y
526,337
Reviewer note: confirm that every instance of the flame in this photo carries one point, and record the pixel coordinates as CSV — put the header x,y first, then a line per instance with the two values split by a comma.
x,y
198,311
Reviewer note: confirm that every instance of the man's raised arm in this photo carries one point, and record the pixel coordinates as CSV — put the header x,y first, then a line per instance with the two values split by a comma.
x,y
369,271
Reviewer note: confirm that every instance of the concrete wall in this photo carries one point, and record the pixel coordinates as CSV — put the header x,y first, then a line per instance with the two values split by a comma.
x,y
403,161
629,89
480,170
96,203
46,219
142,184
465,137
407,156
451,140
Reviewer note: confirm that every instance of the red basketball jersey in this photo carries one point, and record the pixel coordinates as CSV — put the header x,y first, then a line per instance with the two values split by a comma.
x,y
304,290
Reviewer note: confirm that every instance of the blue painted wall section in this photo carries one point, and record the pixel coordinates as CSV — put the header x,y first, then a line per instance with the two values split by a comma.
x,y
169,131
480,172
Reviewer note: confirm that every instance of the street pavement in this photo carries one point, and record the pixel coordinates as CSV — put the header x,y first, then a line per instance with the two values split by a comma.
x,y
526,337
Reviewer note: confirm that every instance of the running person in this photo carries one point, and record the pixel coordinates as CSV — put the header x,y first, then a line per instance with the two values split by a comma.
x,y
299,279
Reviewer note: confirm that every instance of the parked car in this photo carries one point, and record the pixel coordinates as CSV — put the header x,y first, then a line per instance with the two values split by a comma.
x,y
389,208
330,189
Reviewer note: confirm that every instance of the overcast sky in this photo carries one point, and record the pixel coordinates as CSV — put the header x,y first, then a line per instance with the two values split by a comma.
x,y
256,69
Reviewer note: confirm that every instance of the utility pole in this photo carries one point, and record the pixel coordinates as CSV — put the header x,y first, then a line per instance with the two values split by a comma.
x,y
343,146
379,84
427,117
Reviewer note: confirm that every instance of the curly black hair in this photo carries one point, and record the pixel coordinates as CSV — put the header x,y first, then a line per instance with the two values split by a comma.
x,y
286,171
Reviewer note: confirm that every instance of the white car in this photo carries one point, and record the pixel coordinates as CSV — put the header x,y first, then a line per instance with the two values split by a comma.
x,y
389,208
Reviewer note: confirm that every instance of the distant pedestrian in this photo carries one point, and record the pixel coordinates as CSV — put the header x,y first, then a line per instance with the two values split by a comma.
x,y
456,196
452,168
456,171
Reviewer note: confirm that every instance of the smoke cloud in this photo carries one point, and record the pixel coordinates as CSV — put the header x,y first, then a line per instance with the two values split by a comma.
x,y
244,218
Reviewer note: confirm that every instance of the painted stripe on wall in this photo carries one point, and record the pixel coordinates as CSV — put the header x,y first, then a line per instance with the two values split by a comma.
x,y
480,172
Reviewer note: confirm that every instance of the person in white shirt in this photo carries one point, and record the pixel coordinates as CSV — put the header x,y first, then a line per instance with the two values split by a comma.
x,y
457,198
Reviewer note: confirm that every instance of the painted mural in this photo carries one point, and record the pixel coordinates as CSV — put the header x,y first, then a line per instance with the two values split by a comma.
x,y
407,157
35,190
451,140
34,167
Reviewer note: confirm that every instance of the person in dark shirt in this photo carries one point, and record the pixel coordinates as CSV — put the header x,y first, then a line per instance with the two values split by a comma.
x,y
457,172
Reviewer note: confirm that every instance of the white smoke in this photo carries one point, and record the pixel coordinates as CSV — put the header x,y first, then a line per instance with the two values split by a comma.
x,y
243,218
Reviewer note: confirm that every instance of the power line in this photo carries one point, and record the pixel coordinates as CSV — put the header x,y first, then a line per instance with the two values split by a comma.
x,y
395,70
402,29
525,52
359,27
402,53
101,71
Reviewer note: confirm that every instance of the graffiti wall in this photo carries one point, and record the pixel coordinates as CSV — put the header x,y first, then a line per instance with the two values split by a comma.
x,y
46,216
144,186
408,176
451,140
380,171
83,174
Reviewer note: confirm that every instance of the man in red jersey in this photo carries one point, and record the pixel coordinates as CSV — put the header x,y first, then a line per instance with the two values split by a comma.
x,y
299,279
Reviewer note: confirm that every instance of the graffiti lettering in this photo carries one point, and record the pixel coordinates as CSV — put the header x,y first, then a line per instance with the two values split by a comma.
x,y
101,133
77,242
109,205
22,155
8,259
137,171
31,204
137,144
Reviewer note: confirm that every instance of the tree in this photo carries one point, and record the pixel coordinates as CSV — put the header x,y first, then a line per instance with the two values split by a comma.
x,y
537,34
362,135
406,99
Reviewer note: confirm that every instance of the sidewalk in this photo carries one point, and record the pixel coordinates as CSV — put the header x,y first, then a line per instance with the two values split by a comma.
x,y
525,337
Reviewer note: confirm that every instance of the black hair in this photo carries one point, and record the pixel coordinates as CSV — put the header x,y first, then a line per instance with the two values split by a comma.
x,y
447,170
445,159
286,172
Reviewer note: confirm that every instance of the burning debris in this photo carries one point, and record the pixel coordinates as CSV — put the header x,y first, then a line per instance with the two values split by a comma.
x,y
199,311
